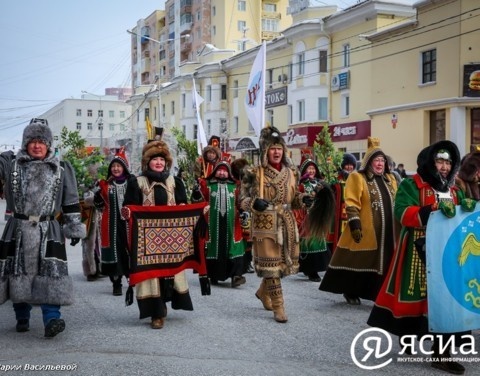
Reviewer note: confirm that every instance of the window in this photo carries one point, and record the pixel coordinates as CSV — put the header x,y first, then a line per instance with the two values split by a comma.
x,y
89,126
301,63
173,107
241,26
290,70
269,24
269,78
122,127
146,114
437,126
122,114
270,117
111,127
111,114
235,89
199,16
322,109
163,110
79,126
89,113
79,112
224,92
346,55
214,11
290,114
242,5
223,126
429,66
209,93
345,105
214,30
209,126
184,129
241,46
322,58
184,100
195,130
235,124
301,110
100,113
270,7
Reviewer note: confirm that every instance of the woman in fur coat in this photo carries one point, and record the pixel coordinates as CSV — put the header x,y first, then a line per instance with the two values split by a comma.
x,y
33,258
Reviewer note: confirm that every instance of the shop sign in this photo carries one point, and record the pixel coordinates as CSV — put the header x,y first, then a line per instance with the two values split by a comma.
x,y
276,97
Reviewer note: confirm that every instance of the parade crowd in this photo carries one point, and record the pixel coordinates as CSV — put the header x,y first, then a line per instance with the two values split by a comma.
x,y
365,232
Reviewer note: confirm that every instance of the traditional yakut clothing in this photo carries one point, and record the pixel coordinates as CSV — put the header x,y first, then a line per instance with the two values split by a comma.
x,y
224,243
33,258
155,188
211,155
314,253
114,258
361,259
401,305
270,192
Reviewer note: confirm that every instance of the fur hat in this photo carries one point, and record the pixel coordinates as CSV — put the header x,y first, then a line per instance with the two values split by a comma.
x,y
349,159
121,158
222,164
270,136
214,141
427,169
37,130
237,167
373,151
156,149
469,167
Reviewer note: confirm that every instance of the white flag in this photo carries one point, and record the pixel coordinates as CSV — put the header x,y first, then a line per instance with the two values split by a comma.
x,y
255,98
197,100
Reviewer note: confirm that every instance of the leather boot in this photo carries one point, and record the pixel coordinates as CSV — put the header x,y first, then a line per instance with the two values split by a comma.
x,y
264,297
274,288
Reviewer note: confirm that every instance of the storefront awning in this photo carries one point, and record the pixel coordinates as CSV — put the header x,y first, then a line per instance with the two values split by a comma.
x,y
247,143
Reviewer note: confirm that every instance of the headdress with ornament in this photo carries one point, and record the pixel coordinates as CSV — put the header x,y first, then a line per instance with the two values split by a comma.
x,y
270,136
373,151
426,164
119,157
155,149
38,129
307,159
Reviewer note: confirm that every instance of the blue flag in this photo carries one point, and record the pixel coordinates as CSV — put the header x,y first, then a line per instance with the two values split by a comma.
x,y
453,271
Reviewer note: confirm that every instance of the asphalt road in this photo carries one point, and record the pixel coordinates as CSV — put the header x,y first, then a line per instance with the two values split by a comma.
x,y
228,333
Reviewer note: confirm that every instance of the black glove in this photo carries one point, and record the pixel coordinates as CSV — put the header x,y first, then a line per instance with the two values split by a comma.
x,y
308,200
196,193
74,241
260,204
356,230
424,213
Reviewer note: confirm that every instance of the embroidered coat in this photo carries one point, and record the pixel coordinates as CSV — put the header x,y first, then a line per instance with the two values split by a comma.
x,y
274,232
33,258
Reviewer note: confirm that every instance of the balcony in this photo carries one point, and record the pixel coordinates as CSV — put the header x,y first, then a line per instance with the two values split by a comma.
x,y
269,35
272,15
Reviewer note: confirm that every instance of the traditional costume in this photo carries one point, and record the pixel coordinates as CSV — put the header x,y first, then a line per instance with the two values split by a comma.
x,y
401,305
270,192
153,189
33,258
468,178
224,242
114,257
314,253
361,259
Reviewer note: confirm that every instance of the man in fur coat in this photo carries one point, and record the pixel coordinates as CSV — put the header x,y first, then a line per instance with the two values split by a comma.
x,y
33,259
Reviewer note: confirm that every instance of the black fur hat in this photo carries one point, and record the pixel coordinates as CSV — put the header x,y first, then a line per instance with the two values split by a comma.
x,y
37,130
349,159
270,136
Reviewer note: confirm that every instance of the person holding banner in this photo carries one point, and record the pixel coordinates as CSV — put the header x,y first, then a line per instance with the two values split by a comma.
x,y
270,192
401,305
153,188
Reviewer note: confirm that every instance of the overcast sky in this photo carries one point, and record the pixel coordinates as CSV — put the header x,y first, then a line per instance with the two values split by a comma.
x,y
54,49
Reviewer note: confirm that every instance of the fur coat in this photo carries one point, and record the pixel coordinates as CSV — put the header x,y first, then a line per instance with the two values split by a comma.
x,y
33,259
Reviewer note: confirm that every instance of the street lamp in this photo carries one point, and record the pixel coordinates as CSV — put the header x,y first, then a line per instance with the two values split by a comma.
x,y
100,116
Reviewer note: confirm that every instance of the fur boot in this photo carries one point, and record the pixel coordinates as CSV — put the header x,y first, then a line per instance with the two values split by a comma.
x,y
264,297
274,288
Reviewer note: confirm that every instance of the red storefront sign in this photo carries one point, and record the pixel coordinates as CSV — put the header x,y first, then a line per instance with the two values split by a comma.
x,y
305,136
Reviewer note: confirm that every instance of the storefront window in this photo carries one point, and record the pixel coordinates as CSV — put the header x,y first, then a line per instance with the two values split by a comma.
x,y
437,126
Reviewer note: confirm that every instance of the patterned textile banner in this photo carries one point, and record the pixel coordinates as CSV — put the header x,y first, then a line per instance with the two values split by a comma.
x,y
161,241
453,271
